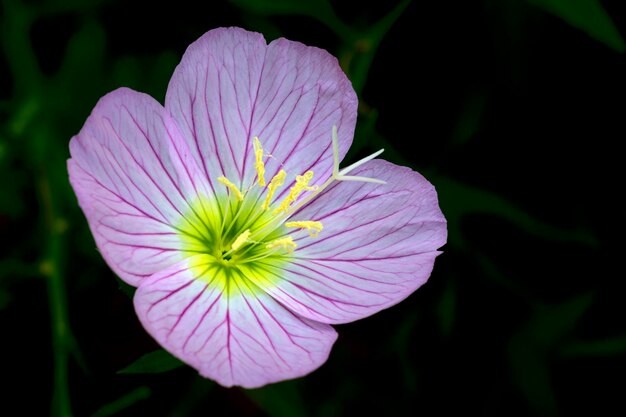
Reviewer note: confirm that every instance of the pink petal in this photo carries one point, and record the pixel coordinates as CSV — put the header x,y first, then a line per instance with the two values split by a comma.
x,y
133,177
228,329
378,245
230,86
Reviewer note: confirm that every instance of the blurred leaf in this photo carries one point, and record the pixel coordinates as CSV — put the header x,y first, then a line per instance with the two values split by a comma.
x,y
16,19
11,192
605,347
588,16
122,403
529,370
357,62
458,200
320,10
13,270
127,72
470,118
153,363
159,74
149,74
550,325
531,347
299,7
24,115
280,400
79,79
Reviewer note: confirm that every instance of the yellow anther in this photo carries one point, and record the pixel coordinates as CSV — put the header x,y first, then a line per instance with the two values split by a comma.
x,y
286,243
240,240
277,181
302,184
313,227
258,164
232,187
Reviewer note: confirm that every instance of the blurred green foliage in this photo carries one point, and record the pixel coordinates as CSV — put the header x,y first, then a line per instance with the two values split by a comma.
x,y
588,16
153,362
495,331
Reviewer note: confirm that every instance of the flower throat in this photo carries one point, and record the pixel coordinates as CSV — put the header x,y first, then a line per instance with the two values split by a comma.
x,y
236,227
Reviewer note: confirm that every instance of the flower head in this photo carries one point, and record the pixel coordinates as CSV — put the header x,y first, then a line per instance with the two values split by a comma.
x,y
228,211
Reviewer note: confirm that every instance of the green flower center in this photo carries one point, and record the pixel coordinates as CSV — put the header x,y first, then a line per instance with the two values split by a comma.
x,y
236,235
221,230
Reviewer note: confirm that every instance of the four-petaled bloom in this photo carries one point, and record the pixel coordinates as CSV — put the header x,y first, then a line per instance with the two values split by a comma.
x,y
227,209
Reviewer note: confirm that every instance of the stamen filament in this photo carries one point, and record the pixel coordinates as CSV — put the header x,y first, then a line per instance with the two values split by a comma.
x,y
258,164
302,184
277,181
240,240
286,243
232,187
285,210
313,227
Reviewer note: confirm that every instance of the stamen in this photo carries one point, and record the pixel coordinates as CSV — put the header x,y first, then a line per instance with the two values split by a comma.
x,y
232,187
285,243
277,181
240,240
258,164
302,184
313,227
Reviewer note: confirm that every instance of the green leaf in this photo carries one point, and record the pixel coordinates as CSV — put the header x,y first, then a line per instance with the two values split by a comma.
x,y
299,7
123,402
280,400
470,118
320,10
605,347
552,324
588,16
153,363
364,47
458,200
529,371
530,349
83,62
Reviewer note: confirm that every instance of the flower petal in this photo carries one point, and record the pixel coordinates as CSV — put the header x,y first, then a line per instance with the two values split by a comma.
x,y
230,87
228,329
133,176
378,245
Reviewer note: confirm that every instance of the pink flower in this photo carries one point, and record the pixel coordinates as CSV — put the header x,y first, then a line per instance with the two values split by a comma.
x,y
227,209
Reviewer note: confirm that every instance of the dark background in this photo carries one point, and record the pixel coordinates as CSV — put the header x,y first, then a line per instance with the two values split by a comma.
x,y
514,110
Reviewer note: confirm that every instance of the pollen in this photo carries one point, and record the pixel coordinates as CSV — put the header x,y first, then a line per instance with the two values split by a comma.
x,y
285,243
302,184
258,163
243,238
232,187
313,227
277,181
